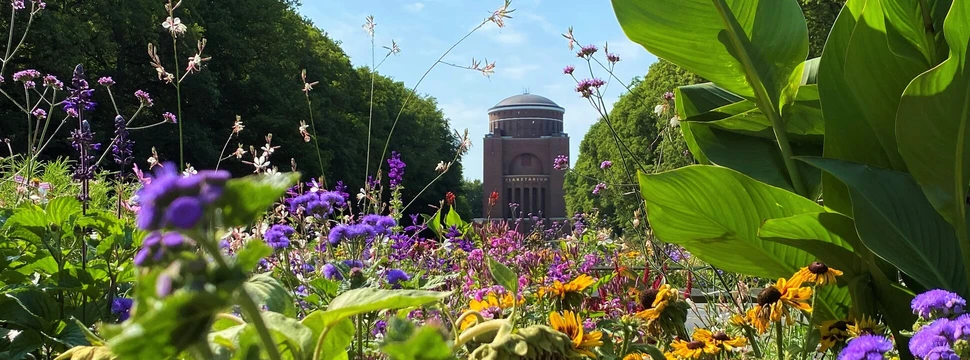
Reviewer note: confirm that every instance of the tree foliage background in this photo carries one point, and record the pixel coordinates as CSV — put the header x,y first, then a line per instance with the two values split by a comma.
x,y
647,140
258,48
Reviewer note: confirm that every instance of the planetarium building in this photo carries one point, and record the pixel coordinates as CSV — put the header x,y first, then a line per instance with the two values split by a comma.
x,y
525,135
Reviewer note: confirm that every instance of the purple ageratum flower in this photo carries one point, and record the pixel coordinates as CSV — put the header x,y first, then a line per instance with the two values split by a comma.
x,y
122,150
144,98
349,232
396,169
169,191
561,162
606,164
156,245
936,334
380,327
395,276
586,51
121,307
942,353
866,347
106,81
937,303
169,118
381,224
331,272
568,70
598,188
278,236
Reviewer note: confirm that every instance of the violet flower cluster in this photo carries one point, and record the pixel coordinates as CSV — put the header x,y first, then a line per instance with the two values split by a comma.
x,y
368,228
80,96
157,245
949,326
173,201
123,147
332,272
396,166
866,347
320,203
278,236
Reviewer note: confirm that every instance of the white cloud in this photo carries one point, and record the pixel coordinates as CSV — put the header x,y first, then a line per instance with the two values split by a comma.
x,y
509,37
416,7
544,24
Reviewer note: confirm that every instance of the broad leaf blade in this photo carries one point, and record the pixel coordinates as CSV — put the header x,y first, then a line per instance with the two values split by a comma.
x,y
898,224
244,200
718,41
827,236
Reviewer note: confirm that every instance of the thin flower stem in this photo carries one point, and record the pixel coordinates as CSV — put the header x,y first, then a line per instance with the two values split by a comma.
x,y
779,340
370,116
6,56
147,126
52,136
113,103
457,154
15,102
415,88
224,150
316,141
30,21
178,96
115,139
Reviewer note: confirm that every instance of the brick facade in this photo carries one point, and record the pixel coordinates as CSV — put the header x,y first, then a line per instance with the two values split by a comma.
x,y
526,134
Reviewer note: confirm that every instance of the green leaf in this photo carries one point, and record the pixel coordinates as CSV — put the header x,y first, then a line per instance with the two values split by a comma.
x,y
365,300
338,339
848,135
827,236
728,44
28,224
907,32
167,327
898,224
60,210
87,353
504,276
267,291
245,199
713,211
804,123
426,343
248,257
934,115
875,78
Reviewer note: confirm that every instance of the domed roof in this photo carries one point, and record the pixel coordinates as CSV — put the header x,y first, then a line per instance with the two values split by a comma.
x,y
526,100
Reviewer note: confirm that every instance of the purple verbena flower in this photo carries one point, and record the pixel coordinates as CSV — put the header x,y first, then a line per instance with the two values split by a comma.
x,y
39,113
52,81
169,118
144,98
606,164
106,81
598,188
612,58
586,51
587,87
17,4
26,75
668,96
561,162
568,70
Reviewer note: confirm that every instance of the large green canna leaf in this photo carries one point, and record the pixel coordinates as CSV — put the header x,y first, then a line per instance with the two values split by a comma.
x,y
804,123
848,135
911,29
716,212
896,222
934,115
827,236
875,78
755,49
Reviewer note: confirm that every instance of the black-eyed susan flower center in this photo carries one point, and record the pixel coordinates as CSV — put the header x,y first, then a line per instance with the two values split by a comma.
x,y
721,336
694,345
647,297
840,325
818,268
769,295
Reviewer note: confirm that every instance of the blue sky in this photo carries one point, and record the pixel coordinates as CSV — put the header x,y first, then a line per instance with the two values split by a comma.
x,y
529,53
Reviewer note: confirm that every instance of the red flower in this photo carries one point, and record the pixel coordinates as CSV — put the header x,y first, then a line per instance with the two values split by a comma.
x,y
492,199
450,198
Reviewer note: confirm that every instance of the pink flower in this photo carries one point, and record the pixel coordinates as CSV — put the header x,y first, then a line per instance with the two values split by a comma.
x,y
568,70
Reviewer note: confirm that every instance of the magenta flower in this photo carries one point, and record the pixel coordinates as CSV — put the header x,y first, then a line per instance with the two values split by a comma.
x,y
39,113
106,81
606,164
599,187
613,58
568,70
169,118
586,51
17,4
144,97
561,162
